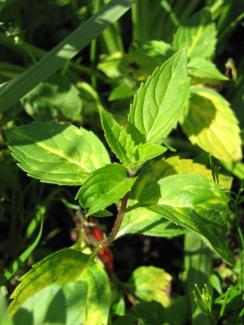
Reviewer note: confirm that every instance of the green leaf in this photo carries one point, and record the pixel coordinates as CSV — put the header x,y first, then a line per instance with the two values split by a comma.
x,y
178,312
120,92
149,313
56,153
142,220
12,91
148,151
161,168
197,35
159,102
110,65
122,145
197,269
144,57
158,50
55,99
212,125
68,265
147,222
236,168
193,202
151,283
205,71
181,191
104,187
60,304
118,139
4,315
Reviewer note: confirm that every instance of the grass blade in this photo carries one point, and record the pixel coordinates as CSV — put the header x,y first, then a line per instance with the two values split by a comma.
x,y
11,92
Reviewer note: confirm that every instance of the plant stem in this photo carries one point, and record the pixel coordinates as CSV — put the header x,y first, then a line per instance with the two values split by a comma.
x,y
117,223
98,245
115,229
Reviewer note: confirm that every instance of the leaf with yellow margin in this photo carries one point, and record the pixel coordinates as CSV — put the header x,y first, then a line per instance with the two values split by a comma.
x,y
211,124
65,266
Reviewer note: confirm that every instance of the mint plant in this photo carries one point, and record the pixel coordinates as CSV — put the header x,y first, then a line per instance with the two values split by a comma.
x,y
67,155
127,169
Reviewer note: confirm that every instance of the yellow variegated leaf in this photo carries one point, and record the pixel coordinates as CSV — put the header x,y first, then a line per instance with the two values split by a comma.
x,y
193,202
63,267
212,125
171,166
57,153
142,220
151,283
147,222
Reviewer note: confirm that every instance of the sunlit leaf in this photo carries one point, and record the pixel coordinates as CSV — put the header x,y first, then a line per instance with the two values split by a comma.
x,y
205,71
236,168
4,315
197,35
156,49
144,57
147,222
56,153
56,304
118,139
122,145
104,187
55,99
142,220
120,92
212,125
110,65
159,102
148,151
64,266
151,283
191,201
161,168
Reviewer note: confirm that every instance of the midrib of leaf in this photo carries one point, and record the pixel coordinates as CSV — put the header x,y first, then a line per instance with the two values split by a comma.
x,y
195,39
12,91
